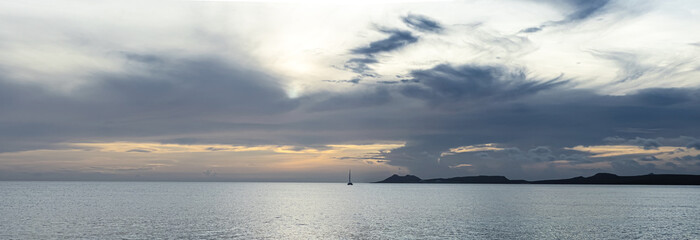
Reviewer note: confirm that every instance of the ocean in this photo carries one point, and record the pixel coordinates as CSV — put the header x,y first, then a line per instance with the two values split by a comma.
x,y
222,210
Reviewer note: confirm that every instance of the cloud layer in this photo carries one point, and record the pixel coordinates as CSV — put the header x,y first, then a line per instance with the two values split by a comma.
x,y
402,89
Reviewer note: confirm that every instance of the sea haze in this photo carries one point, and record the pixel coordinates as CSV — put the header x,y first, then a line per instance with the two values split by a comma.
x,y
181,210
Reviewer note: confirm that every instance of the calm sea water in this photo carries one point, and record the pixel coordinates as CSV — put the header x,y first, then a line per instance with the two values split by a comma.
x,y
169,210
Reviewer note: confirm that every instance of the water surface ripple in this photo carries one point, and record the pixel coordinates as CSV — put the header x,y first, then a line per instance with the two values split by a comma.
x,y
177,210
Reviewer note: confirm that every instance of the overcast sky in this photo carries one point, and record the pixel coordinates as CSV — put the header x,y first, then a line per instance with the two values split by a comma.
x,y
305,90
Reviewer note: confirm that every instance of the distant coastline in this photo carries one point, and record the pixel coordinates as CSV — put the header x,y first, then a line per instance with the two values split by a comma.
x,y
600,178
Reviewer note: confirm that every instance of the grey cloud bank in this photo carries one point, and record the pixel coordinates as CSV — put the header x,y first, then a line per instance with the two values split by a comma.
x,y
445,107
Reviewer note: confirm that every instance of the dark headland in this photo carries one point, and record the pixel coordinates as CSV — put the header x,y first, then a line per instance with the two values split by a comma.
x,y
600,178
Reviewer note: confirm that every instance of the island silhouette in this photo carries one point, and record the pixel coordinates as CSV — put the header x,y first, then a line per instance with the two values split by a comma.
x,y
599,178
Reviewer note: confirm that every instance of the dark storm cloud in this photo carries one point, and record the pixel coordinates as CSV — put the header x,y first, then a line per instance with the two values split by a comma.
x,y
172,96
422,23
665,96
546,115
200,85
449,106
28,113
443,107
694,144
344,101
397,39
447,84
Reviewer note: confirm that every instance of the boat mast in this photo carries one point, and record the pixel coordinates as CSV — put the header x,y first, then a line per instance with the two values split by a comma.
x,y
349,174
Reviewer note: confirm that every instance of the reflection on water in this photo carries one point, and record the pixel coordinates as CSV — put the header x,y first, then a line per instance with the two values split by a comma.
x,y
148,210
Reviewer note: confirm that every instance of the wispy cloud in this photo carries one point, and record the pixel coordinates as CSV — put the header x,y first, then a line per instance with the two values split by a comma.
x,y
422,23
397,39
582,10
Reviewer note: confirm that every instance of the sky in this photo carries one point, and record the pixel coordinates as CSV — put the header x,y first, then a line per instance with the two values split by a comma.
x,y
306,90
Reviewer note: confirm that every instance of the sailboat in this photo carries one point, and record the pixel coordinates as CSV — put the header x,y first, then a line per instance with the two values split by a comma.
x,y
349,179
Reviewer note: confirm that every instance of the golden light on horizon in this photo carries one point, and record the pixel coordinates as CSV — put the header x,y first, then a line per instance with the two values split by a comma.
x,y
151,157
600,151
